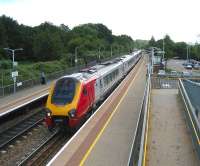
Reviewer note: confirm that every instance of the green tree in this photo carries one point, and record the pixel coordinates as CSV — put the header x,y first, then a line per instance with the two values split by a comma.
x,y
47,46
180,50
49,42
152,42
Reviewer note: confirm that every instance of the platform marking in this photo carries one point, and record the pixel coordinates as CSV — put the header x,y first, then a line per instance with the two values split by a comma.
x,y
109,119
147,129
23,98
30,101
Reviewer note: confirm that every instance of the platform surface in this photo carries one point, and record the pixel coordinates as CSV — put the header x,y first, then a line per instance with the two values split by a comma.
x,y
169,142
113,147
13,100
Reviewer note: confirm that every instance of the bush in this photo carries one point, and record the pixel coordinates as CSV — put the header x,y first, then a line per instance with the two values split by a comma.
x,y
5,64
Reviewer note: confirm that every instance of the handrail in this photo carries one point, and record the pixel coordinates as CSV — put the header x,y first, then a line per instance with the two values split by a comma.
x,y
192,82
138,152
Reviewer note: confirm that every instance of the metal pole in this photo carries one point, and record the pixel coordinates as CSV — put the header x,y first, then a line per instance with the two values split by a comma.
x,y
13,60
2,79
76,56
13,57
2,84
163,48
99,53
187,53
14,81
110,51
152,57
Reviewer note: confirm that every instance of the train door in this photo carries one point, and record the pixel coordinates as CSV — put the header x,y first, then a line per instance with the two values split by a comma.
x,y
98,87
123,69
91,92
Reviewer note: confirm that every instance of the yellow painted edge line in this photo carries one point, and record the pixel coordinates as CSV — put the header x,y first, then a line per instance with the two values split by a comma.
x,y
147,130
106,124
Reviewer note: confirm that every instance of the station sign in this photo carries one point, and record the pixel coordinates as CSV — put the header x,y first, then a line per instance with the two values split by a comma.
x,y
19,84
15,63
14,79
160,52
14,74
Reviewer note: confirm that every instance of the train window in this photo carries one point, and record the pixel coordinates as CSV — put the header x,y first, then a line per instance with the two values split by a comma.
x,y
64,91
85,91
101,85
106,79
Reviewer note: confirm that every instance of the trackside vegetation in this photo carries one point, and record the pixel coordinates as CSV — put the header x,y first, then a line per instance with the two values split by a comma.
x,y
177,49
50,48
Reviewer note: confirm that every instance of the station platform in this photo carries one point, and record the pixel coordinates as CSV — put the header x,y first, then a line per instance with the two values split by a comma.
x,y
169,140
10,102
106,138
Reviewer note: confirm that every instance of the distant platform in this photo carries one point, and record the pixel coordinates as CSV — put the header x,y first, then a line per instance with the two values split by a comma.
x,y
169,141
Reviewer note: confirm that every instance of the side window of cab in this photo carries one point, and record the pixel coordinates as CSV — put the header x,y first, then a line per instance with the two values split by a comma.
x,y
84,91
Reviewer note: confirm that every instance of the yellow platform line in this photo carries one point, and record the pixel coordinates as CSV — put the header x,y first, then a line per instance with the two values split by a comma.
x,y
147,130
106,124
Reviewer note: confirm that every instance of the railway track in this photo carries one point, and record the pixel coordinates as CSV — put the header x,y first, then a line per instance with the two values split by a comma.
x,y
11,134
46,150
40,152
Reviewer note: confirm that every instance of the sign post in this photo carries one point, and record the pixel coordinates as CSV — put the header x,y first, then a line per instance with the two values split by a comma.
x,y
14,76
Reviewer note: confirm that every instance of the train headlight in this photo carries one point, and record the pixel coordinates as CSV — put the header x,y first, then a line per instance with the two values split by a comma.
x,y
48,112
72,113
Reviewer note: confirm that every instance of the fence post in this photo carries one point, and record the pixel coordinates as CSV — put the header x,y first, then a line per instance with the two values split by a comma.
x,y
2,84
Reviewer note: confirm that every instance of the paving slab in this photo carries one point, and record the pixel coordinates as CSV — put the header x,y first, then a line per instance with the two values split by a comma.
x,y
11,101
113,147
169,142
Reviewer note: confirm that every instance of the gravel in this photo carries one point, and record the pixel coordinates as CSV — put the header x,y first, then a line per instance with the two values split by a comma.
x,y
22,147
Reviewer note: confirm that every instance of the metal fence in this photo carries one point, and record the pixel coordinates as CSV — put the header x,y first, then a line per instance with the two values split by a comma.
x,y
181,75
164,83
190,115
193,90
9,89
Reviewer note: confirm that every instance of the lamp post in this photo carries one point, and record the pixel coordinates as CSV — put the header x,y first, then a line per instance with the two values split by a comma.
x,y
111,51
163,48
76,60
99,53
14,73
188,53
13,53
163,59
152,59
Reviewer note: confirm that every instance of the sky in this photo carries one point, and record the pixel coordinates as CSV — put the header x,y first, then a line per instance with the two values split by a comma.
x,y
139,19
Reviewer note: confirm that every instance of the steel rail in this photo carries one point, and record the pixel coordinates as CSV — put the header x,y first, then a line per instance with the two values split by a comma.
x,y
51,141
13,133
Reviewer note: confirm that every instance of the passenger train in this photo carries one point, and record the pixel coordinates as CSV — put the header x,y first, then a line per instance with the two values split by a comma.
x,y
72,97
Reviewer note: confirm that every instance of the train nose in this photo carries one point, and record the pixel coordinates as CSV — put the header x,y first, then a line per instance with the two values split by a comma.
x,y
72,113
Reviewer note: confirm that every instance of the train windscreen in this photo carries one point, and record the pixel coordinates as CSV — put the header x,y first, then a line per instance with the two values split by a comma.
x,y
64,91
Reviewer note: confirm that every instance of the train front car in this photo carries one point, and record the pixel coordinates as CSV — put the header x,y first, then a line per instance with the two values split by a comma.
x,y
68,102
